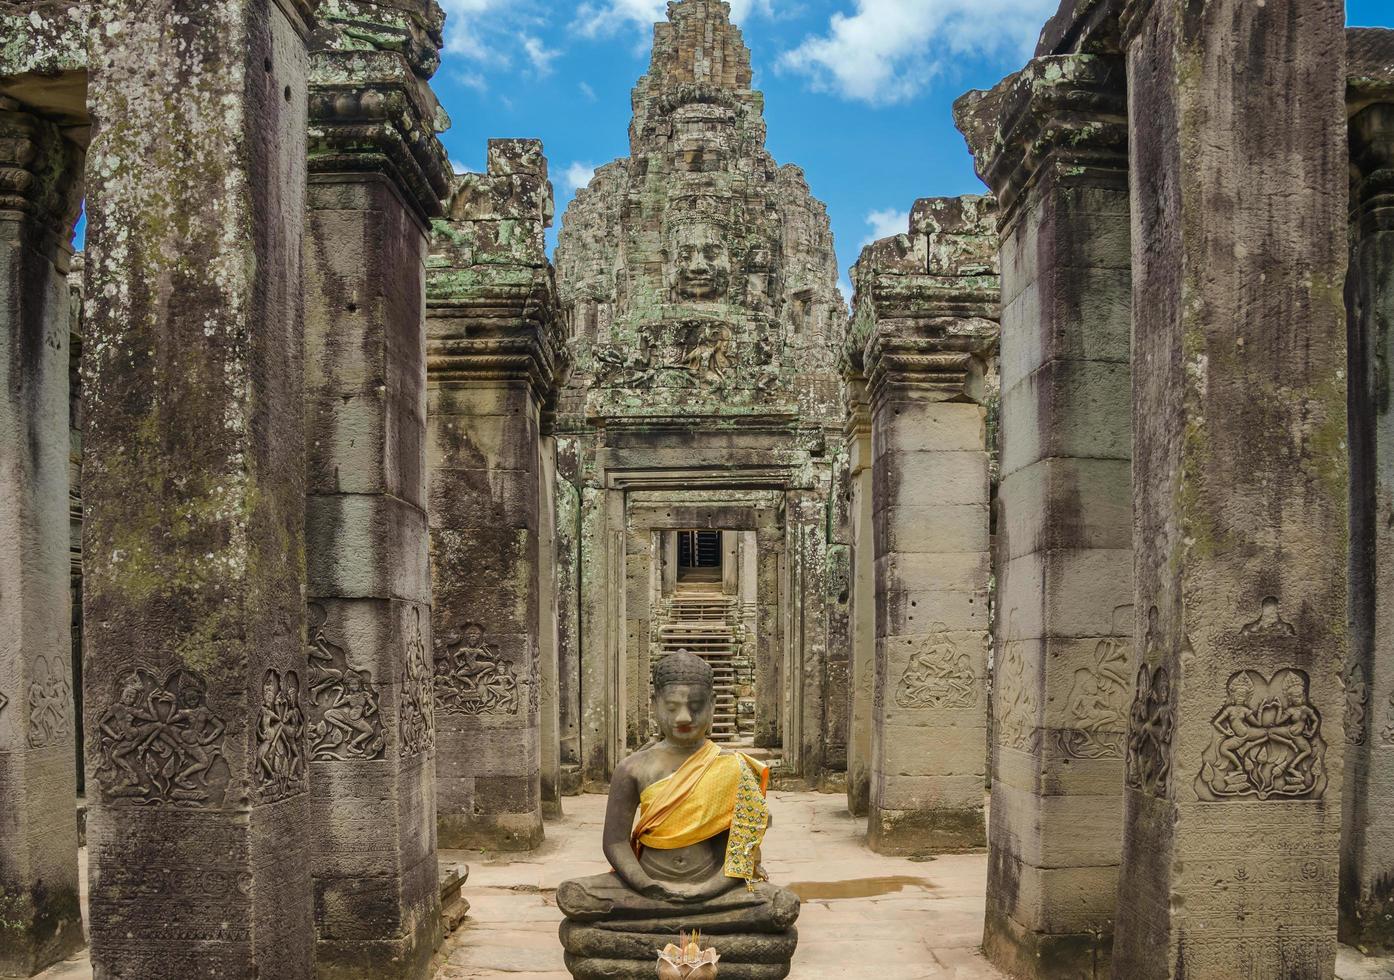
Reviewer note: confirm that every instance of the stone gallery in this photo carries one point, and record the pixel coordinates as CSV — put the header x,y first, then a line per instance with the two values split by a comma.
x,y
340,527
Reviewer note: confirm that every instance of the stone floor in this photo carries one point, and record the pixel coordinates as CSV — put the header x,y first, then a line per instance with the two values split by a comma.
x,y
865,917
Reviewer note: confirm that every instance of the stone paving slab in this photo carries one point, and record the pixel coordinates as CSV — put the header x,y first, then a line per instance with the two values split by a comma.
x,y
866,917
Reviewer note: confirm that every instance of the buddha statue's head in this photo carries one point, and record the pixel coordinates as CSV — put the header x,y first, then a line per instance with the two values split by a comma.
x,y
698,262
683,698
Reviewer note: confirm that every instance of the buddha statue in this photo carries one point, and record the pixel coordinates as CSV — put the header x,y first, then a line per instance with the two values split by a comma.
x,y
682,834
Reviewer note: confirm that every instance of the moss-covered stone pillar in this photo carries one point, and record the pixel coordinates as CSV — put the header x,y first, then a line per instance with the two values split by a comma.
x,y
863,586
492,330
1367,850
1236,747
377,176
199,824
931,300
1052,143
40,186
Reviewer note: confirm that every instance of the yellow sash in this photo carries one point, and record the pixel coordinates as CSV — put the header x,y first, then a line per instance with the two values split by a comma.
x,y
710,794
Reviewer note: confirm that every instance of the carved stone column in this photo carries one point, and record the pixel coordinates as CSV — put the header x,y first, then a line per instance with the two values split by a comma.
x,y
863,582
1235,754
769,687
377,177
199,823
929,303
1367,847
492,330
806,642
1052,142
40,186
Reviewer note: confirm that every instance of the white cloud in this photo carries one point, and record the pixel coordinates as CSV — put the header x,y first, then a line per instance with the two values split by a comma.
x,y
886,224
485,37
577,175
540,55
587,91
889,49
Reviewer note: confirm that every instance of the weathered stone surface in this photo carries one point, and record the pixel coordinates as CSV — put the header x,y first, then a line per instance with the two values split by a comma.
x,y
1237,743
1051,140
194,489
493,333
40,184
376,172
699,283
924,331
1367,851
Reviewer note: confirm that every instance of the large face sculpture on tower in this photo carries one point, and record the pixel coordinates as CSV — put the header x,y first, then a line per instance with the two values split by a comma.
x,y
698,261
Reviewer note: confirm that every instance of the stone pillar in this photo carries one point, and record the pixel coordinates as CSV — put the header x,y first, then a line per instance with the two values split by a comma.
x,y
769,689
639,558
1236,749
863,606
377,176
493,343
1051,141
1367,851
806,646
548,629
199,825
568,584
602,648
933,297
40,186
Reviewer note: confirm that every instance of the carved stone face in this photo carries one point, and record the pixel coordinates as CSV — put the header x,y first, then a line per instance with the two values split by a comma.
x,y
684,713
699,262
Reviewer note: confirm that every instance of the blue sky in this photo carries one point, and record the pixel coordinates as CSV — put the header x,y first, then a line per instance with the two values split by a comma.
x,y
857,92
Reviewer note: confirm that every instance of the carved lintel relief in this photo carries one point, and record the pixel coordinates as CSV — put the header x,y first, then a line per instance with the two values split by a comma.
x,y
1016,699
1357,705
159,742
939,675
472,678
1267,741
1151,721
344,705
1098,705
50,703
416,719
280,736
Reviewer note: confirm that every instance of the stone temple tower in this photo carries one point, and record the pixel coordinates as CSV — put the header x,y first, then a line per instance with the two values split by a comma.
x,y
698,268
698,281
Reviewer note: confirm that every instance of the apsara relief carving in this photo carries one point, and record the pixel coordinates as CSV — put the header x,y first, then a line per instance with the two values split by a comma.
x,y
1267,741
344,708
1016,698
280,738
159,742
1151,720
1357,705
1387,733
1098,705
1270,621
939,675
473,679
416,720
50,703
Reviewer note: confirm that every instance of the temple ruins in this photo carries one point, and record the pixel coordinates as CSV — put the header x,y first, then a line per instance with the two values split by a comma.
x,y
343,530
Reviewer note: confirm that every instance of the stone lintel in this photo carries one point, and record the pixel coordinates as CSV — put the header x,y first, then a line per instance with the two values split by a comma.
x,y
1369,67
1082,27
1066,115
941,357
493,349
43,63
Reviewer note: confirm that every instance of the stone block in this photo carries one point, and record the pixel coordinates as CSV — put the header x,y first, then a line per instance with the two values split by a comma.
x,y
949,478
1079,314
932,529
1079,409
366,546
1065,593
1066,503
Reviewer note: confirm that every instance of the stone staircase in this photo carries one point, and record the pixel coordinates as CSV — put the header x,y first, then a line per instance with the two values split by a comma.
x,y
701,619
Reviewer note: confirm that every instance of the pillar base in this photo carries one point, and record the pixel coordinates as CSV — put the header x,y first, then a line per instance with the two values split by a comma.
x,y
406,958
911,833
1021,952
490,832
1369,925
38,930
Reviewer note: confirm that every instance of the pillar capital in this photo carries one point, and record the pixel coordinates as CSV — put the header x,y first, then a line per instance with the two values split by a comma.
x,y
371,106
927,303
1062,116
495,314
40,170
1370,108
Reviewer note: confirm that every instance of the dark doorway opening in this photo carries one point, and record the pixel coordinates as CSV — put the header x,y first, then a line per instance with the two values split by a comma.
x,y
699,556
